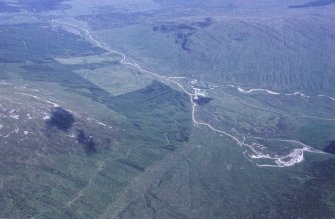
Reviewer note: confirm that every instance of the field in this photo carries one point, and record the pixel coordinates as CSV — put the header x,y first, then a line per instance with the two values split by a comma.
x,y
167,109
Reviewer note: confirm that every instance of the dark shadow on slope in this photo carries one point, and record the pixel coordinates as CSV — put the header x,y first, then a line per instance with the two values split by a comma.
x,y
202,100
169,147
87,142
158,111
131,164
330,148
205,23
61,119
183,32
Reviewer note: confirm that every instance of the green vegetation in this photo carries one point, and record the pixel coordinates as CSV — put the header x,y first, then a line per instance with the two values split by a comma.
x,y
85,133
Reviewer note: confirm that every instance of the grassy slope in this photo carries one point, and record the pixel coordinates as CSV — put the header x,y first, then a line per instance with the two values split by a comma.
x,y
154,163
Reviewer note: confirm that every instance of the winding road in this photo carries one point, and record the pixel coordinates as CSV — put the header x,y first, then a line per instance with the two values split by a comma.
x,y
294,157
